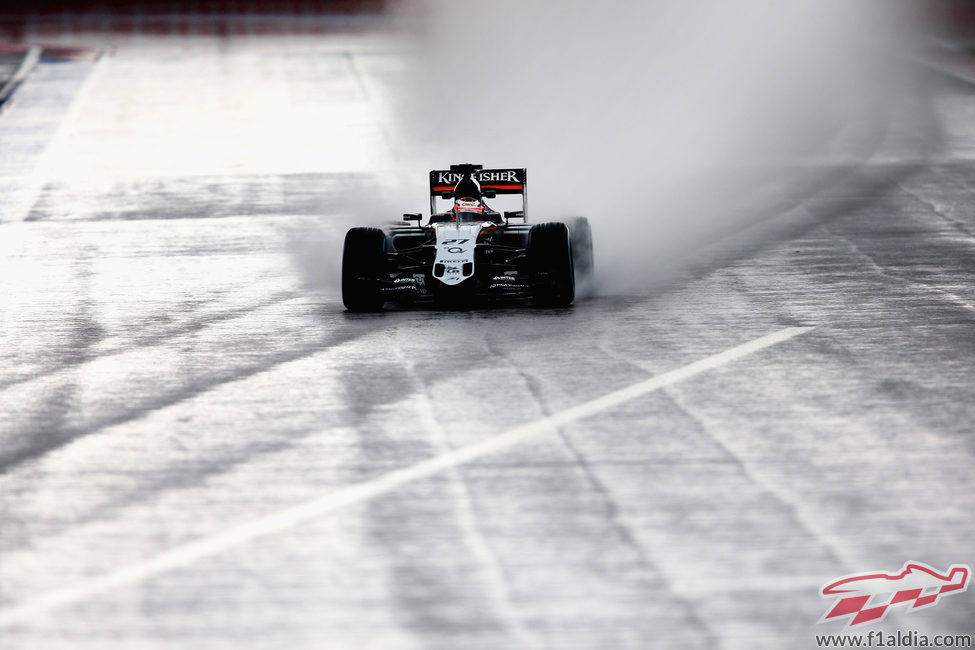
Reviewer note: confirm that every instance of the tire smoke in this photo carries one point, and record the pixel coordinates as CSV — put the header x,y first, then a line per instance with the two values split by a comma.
x,y
665,123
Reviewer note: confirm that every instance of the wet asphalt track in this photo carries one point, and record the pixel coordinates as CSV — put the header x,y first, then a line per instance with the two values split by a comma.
x,y
175,364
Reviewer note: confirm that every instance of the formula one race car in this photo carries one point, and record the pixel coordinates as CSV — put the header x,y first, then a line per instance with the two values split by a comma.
x,y
468,253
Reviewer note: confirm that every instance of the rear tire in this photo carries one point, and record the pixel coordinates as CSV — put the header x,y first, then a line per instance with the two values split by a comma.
x,y
550,265
580,234
363,266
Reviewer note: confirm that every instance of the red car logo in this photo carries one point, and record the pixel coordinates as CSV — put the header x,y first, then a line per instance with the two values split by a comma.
x,y
867,597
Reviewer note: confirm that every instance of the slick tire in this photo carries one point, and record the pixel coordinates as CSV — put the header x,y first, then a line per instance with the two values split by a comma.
x,y
550,265
363,266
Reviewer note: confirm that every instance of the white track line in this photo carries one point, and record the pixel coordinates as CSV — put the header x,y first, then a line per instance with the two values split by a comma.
x,y
26,65
185,554
29,196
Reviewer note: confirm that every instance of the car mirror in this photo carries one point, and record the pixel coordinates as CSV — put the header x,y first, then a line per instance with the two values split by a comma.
x,y
488,194
412,217
519,214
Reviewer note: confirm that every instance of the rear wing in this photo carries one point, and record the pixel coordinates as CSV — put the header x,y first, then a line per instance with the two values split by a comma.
x,y
499,181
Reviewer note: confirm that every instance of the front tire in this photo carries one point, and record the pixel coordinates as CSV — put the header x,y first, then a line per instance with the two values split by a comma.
x,y
550,265
363,265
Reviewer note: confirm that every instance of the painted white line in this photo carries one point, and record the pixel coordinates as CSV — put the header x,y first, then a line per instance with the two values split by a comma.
x,y
189,553
28,196
26,65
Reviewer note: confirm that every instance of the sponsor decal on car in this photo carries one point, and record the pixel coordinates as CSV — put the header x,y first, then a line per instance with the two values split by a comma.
x,y
455,251
485,176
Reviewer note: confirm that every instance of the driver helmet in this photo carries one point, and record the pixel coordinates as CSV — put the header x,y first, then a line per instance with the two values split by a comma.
x,y
467,188
468,204
467,200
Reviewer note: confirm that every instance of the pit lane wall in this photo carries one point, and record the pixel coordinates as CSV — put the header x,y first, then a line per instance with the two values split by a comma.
x,y
952,20
44,18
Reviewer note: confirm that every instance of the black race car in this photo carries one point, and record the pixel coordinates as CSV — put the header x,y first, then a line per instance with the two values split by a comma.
x,y
468,253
